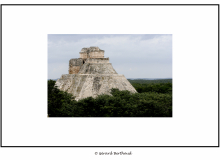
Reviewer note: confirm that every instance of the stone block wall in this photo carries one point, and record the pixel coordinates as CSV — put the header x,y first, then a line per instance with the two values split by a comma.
x,y
76,62
97,60
96,54
75,65
97,68
91,52
83,55
74,69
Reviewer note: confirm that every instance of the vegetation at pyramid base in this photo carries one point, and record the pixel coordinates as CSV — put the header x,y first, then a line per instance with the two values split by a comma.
x,y
153,100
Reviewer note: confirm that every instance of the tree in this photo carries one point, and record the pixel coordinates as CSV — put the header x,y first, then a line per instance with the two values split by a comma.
x,y
59,102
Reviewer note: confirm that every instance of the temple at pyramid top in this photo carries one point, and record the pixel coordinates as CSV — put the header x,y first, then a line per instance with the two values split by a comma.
x,y
87,55
91,52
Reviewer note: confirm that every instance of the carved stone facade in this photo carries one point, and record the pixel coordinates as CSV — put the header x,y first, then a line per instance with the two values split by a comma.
x,y
92,75
92,52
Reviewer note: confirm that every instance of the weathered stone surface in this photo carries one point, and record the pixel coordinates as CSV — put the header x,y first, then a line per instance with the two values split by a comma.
x,y
97,68
92,77
86,85
76,62
74,65
97,60
92,52
74,69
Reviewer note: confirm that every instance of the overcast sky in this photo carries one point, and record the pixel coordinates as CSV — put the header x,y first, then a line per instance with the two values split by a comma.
x,y
133,55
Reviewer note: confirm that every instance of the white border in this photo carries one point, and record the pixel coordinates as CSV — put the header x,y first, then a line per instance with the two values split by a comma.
x,y
195,62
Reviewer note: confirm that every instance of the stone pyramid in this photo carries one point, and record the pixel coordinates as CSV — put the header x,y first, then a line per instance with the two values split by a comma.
x,y
92,75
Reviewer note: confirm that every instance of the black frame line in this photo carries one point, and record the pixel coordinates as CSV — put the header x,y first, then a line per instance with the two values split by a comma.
x,y
108,4
111,5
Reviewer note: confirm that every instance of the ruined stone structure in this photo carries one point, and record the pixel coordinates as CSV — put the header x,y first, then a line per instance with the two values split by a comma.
x,y
92,75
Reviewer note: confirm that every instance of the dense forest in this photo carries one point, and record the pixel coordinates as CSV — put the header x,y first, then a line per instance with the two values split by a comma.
x,y
154,99
142,81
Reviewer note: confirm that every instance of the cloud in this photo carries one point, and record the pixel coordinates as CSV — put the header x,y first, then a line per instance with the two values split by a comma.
x,y
150,54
